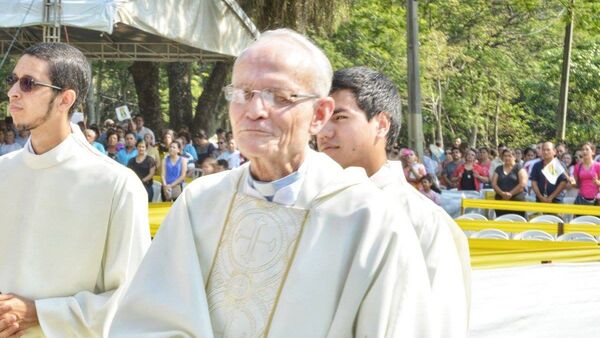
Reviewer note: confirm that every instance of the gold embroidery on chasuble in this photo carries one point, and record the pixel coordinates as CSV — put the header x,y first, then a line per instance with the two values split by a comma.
x,y
255,252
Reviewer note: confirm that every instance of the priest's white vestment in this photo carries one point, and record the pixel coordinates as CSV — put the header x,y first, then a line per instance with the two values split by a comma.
x,y
228,264
74,228
445,248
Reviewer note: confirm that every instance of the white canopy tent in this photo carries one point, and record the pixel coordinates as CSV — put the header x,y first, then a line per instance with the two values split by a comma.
x,y
150,30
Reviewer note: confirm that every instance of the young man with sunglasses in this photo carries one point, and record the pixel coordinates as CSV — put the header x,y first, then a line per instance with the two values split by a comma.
x,y
74,223
289,245
365,121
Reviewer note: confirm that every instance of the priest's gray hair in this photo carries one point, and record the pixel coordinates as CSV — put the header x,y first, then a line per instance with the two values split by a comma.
x,y
322,70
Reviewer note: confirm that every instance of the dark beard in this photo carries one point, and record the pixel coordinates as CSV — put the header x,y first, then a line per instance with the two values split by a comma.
x,y
38,122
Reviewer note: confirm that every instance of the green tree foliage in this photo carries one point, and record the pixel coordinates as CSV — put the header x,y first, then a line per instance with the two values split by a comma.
x,y
490,70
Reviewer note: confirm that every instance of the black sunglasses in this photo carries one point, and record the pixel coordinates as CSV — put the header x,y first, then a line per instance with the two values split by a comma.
x,y
26,83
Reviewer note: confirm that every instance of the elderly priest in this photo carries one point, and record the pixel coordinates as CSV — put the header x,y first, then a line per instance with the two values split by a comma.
x,y
289,245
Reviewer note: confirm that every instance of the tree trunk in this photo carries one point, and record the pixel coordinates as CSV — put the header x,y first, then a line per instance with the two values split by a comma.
x,y
145,78
180,94
440,111
474,131
496,122
209,99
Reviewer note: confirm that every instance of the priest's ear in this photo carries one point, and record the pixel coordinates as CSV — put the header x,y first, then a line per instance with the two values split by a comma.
x,y
323,111
383,124
65,100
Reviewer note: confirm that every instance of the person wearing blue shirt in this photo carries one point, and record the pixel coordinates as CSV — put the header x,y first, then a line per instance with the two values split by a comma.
x,y
129,152
544,190
90,136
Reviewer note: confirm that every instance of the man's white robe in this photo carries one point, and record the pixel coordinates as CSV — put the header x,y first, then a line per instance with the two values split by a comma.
x,y
348,274
74,228
445,248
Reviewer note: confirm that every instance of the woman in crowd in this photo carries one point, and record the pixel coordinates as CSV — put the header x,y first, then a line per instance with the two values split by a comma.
x,y
174,169
567,161
519,157
188,148
469,175
413,170
509,181
144,167
587,176
570,193
112,140
430,189
485,163
167,138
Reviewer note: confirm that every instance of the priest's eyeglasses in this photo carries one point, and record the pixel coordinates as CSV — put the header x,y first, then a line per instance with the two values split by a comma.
x,y
274,98
26,83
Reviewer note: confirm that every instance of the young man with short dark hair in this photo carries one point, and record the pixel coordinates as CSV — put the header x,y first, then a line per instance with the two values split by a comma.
x,y
366,119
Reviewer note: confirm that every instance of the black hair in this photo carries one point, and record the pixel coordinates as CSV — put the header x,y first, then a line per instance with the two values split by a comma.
x,y
374,94
434,186
224,164
67,68
201,134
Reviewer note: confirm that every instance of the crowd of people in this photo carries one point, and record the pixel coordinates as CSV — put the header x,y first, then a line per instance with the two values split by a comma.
x,y
542,172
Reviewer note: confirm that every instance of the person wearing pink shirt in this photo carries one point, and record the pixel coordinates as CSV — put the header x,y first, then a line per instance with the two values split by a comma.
x,y
587,176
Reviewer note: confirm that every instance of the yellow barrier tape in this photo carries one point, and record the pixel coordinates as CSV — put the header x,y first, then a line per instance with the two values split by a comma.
x,y
477,225
553,208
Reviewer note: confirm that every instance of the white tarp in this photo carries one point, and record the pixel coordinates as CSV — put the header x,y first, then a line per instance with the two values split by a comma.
x,y
545,301
210,25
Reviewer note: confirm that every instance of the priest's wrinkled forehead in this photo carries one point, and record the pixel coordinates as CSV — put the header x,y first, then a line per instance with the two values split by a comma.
x,y
289,53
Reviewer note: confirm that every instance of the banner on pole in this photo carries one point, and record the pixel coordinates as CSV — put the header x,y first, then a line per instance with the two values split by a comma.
x,y
123,113
553,170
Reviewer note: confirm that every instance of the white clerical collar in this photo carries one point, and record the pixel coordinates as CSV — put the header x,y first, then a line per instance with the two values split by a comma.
x,y
390,172
283,191
56,155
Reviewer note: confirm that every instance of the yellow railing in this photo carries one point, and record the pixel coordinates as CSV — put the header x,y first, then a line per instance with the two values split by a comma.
x,y
159,179
494,253
476,225
156,214
552,208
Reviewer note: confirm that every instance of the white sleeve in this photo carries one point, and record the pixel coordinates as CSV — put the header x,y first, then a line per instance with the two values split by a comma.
x,y
398,302
88,314
167,298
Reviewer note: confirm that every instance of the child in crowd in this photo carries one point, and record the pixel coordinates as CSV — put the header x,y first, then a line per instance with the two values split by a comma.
x,y
430,189
209,166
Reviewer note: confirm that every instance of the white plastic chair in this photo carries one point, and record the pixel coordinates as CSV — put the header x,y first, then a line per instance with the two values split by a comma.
x,y
534,235
511,218
490,234
472,216
546,219
577,237
586,220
